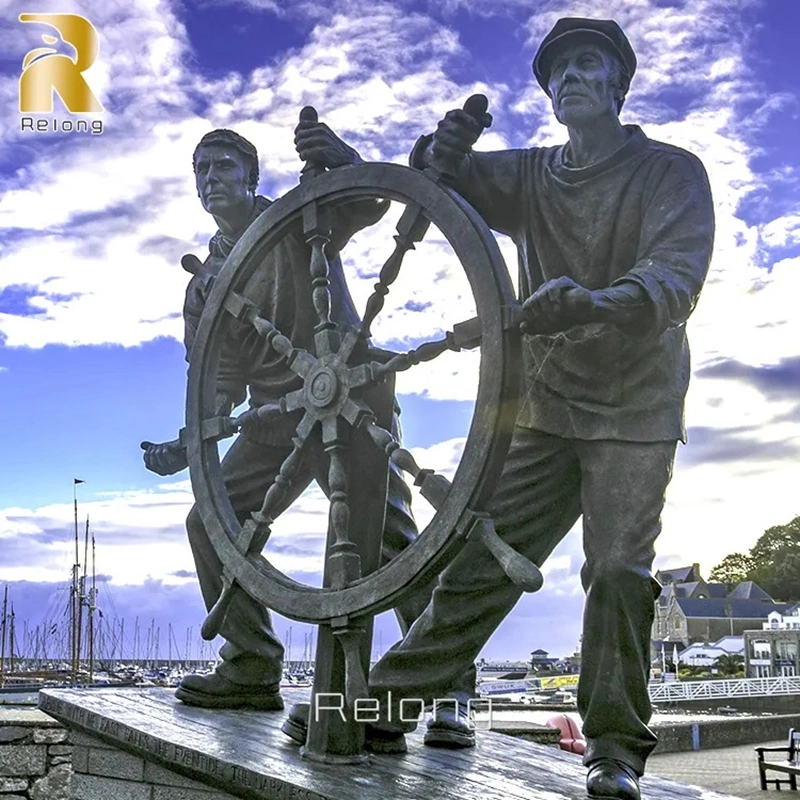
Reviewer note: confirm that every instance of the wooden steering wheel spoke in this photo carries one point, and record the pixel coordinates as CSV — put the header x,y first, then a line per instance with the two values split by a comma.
x,y
427,351
464,336
411,228
256,531
433,487
344,563
244,310
273,499
267,414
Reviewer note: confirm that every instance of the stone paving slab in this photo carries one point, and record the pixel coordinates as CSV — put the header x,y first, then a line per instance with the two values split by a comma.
x,y
726,769
26,717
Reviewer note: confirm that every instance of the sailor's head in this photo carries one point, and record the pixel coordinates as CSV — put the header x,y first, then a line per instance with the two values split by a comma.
x,y
225,169
584,65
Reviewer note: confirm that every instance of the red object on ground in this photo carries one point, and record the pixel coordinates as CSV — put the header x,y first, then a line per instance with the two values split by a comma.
x,y
571,739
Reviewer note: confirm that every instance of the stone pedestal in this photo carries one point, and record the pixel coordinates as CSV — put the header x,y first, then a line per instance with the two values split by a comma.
x,y
102,771
143,744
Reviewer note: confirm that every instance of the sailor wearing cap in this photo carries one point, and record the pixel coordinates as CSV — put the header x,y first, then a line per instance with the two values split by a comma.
x,y
614,234
573,31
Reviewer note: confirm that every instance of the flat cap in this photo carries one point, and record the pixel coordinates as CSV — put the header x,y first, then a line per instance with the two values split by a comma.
x,y
568,30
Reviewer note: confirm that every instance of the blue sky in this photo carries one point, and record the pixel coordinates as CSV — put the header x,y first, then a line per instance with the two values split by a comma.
x,y
92,229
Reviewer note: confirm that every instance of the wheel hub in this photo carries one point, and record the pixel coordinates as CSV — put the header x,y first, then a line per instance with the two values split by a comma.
x,y
322,387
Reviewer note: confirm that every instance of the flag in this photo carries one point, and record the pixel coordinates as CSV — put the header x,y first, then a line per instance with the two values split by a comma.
x,y
76,481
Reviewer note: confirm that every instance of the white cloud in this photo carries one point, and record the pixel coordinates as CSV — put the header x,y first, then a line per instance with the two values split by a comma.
x,y
714,509
782,232
259,5
135,178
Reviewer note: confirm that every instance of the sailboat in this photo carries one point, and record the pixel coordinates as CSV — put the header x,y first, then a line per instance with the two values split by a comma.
x,y
42,658
76,645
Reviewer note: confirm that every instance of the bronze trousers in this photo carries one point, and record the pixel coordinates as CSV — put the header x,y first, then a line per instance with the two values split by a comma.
x,y
546,484
252,653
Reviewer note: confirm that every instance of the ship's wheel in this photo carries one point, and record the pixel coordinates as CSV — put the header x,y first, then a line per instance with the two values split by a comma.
x,y
333,405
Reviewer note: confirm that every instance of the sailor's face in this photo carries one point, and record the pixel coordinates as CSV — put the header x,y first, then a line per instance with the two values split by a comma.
x,y
221,177
583,84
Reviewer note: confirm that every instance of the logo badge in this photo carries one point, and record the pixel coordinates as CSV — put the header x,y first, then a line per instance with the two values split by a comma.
x,y
45,70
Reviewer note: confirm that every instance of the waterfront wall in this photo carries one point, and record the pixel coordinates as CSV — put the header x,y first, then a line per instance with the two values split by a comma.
x,y
777,704
707,735
35,756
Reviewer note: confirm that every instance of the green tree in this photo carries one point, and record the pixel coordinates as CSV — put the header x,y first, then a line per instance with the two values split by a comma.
x,y
728,665
773,563
775,541
732,570
776,561
784,580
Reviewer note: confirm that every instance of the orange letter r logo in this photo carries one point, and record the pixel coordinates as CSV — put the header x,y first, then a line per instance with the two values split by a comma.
x,y
45,70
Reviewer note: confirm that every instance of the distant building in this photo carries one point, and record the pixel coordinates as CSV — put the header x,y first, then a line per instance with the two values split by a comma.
x,y
541,662
680,575
690,610
704,655
772,652
572,664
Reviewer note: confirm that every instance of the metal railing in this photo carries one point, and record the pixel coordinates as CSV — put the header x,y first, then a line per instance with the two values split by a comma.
x,y
674,691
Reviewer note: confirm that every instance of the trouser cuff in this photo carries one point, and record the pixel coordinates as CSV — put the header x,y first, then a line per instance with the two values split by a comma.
x,y
249,669
605,748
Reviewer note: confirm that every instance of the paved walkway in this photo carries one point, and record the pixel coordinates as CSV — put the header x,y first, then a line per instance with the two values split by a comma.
x,y
727,769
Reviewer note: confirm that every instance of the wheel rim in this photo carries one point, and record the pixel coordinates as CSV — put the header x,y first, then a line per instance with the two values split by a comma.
x,y
490,429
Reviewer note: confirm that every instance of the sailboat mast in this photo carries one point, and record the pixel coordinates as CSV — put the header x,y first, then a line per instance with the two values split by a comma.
x,y
73,605
92,605
11,641
75,598
3,637
82,595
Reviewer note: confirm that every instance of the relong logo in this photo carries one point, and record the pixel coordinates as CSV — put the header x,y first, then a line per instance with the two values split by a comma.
x,y
45,70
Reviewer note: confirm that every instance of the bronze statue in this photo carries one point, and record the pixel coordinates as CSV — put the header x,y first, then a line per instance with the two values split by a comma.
x,y
614,233
337,385
226,173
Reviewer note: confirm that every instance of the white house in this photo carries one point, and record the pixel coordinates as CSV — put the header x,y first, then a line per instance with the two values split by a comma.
x,y
704,655
774,650
783,622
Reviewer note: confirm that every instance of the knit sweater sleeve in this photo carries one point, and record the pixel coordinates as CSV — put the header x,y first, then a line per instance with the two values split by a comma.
x,y
490,182
675,244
